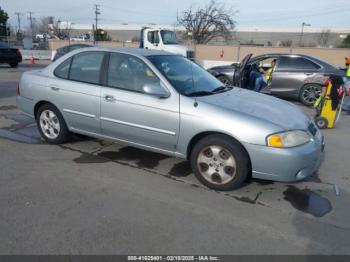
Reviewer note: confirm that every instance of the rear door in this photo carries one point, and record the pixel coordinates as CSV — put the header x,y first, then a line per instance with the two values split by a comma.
x,y
75,89
130,115
290,75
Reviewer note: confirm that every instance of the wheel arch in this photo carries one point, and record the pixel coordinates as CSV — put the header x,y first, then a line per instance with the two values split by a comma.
x,y
201,135
41,103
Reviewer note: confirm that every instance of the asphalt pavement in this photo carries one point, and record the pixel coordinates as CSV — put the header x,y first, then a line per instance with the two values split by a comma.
x,y
95,197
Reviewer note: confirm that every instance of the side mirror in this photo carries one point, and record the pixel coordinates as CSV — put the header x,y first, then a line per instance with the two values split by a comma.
x,y
155,89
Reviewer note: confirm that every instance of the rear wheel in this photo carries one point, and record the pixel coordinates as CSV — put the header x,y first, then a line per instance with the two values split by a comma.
x,y
225,80
309,94
51,125
220,163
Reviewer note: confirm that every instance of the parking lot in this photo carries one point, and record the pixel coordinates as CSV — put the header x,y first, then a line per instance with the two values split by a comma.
x,y
95,197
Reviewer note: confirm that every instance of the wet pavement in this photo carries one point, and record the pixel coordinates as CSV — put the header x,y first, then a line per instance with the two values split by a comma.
x,y
311,197
321,201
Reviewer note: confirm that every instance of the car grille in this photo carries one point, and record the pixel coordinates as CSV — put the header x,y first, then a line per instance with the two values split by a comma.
x,y
312,129
190,55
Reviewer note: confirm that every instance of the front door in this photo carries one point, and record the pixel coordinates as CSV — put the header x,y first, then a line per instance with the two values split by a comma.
x,y
130,115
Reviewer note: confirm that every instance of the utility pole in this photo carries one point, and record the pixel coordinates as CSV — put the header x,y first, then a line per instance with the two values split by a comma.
x,y
18,14
302,32
97,12
31,18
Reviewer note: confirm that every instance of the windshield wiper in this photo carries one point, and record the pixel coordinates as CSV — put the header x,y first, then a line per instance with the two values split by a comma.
x,y
200,93
221,88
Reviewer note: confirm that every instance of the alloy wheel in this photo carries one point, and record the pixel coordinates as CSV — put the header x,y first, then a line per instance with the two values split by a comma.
x,y
50,124
217,165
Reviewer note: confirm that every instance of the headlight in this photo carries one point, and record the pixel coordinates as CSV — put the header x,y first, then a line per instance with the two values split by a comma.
x,y
288,139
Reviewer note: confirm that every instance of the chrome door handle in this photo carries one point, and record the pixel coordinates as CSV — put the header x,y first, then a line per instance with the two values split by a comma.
x,y
110,98
55,88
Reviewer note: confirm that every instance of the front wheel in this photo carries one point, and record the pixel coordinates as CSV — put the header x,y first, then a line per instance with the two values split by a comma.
x,y
220,163
309,94
51,125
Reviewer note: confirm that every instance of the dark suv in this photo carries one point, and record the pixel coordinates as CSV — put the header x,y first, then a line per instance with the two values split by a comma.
x,y
294,76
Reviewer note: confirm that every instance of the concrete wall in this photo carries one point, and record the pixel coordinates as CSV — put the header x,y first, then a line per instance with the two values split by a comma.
x,y
237,53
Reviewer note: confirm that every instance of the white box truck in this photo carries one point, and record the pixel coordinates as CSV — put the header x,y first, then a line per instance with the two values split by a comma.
x,y
165,40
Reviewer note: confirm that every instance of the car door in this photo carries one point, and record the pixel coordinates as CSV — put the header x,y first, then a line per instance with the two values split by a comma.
x,y
240,76
128,114
290,74
75,90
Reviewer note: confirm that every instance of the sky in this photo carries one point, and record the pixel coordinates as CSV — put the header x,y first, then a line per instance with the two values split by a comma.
x,y
258,14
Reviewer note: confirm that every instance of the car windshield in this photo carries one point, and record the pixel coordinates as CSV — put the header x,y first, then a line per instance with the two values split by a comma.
x,y
187,78
169,37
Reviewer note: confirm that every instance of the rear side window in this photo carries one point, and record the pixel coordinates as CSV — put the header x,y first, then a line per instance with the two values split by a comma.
x,y
86,67
297,63
62,70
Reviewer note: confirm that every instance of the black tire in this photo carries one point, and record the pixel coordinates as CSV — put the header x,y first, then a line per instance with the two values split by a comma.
x,y
321,122
62,135
240,172
309,93
225,80
14,65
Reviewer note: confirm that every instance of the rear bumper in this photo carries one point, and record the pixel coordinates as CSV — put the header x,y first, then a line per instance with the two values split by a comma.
x,y
289,164
25,105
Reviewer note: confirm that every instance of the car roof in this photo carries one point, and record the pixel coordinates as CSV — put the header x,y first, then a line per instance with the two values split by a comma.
x,y
284,54
315,59
126,50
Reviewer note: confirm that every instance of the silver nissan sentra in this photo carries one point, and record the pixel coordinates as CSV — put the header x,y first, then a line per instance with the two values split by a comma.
x,y
165,103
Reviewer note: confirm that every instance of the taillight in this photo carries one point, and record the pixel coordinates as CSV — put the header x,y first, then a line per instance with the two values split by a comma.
x,y
18,90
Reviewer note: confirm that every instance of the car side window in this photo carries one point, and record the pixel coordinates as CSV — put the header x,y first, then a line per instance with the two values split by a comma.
x,y
86,67
129,72
62,70
298,63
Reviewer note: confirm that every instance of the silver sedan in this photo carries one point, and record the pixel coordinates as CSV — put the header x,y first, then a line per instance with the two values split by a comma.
x,y
165,103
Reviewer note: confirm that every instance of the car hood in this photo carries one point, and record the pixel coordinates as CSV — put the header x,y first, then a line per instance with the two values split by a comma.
x,y
264,107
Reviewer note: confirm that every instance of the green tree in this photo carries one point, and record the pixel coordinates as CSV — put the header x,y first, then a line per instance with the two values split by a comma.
x,y
101,35
346,42
204,24
3,22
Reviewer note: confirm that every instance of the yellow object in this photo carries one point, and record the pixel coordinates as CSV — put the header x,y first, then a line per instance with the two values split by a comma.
x,y
149,72
268,73
326,109
348,72
275,141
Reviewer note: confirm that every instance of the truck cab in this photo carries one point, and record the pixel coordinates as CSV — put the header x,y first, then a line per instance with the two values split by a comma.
x,y
165,40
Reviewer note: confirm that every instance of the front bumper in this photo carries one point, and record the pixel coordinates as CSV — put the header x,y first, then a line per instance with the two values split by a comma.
x,y
286,164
